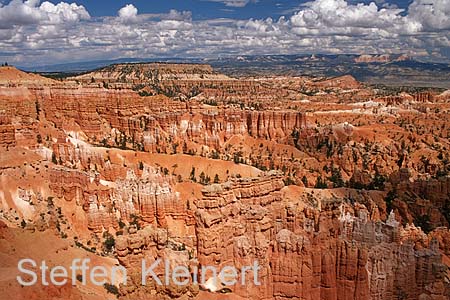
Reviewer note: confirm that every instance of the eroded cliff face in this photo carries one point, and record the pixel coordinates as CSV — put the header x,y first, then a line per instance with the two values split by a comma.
x,y
18,113
148,196
215,128
123,118
324,249
335,252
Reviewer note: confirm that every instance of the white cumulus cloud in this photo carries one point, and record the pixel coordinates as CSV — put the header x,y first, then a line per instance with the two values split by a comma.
x,y
128,13
340,17
18,12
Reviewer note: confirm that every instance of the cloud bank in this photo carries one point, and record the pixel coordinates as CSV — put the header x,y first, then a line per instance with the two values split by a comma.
x,y
33,33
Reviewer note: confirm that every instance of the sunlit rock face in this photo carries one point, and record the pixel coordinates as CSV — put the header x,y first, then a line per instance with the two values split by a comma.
x,y
337,252
149,196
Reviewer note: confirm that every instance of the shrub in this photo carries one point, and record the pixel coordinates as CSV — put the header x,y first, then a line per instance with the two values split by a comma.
x,y
378,182
336,178
50,203
320,183
215,155
109,243
389,199
305,180
54,160
135,221
192,175
423,222
121,224
112,289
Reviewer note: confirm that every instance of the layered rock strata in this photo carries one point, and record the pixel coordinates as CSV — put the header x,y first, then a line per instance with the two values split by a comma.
x,y
149,197
336,252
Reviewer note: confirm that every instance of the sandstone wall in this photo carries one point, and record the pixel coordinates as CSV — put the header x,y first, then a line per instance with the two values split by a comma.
x,y
149,197
333,253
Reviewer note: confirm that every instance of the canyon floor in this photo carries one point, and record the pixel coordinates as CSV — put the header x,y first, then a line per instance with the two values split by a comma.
x,y
338,189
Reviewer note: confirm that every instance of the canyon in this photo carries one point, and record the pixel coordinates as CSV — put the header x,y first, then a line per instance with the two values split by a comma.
x,y
339,190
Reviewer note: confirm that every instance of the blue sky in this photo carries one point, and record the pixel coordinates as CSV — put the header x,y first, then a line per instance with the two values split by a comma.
x,y
200,9
36,32
204,9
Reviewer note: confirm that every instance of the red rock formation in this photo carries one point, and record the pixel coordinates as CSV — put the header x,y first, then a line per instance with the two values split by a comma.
x,y
10,76
306,253
7,132
105,203
424,97
443,97
90,107
97,111
336,252
215,128
310,243
342,82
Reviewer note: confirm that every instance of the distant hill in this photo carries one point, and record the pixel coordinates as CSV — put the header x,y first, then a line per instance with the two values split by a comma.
x,y
392,70
151,72
372,69
11,75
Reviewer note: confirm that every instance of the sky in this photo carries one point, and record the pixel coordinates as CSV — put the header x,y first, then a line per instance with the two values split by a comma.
x,y
34,32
